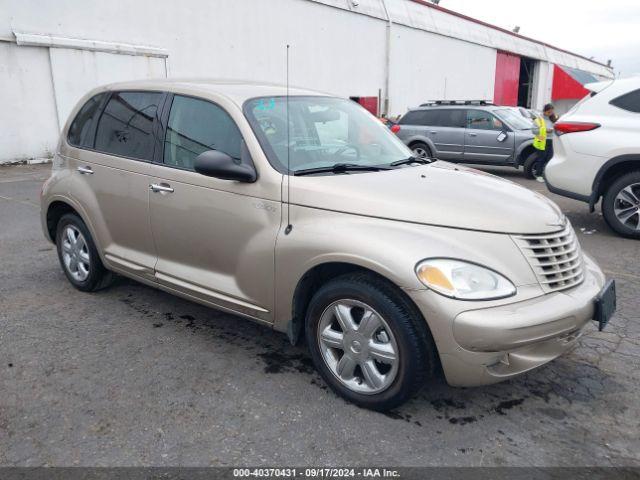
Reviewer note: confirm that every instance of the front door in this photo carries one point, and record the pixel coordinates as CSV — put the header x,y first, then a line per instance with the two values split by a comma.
x,y
487,139
215,239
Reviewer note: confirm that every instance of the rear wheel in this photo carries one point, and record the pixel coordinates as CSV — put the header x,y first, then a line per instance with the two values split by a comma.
x,y
367,341
621,205
78,255
421,150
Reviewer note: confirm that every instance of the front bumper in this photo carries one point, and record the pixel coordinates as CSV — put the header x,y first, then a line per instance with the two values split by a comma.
x,y
488,345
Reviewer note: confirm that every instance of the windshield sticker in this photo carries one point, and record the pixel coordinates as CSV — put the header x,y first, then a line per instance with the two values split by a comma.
x,y
266,106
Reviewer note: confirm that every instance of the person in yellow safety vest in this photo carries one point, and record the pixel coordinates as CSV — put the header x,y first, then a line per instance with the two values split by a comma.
x,y
534,166
540,139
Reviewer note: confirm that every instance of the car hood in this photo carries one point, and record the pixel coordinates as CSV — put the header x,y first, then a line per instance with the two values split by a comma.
x,y
440,193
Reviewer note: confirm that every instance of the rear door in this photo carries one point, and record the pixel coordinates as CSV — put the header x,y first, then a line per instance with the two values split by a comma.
x,y
446,132
110,162
487,139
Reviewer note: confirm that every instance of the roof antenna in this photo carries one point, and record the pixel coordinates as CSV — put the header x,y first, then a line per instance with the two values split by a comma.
x,y
289,227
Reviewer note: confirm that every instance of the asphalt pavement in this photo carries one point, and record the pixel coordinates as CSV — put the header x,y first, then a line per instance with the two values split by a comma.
x,y
133,376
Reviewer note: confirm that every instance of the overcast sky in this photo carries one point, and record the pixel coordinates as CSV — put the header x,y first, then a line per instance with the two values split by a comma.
x,y
607,29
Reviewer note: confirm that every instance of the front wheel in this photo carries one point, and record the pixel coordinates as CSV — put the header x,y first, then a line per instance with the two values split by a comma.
x,y
533,166
367,341
621,205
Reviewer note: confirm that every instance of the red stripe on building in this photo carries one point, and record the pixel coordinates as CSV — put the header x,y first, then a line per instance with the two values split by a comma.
x,y
565,87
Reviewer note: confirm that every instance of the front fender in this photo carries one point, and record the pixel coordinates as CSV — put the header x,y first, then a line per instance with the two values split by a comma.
x,y
387,247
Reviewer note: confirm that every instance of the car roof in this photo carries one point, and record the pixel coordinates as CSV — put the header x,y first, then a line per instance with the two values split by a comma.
x,y
631,82
236,90
470,106
461,105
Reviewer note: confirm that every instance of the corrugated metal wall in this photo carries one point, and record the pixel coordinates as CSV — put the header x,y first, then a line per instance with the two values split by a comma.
x,y
336,47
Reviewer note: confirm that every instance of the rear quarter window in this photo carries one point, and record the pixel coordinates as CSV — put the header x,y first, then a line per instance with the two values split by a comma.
x,y
81,129
629,101
420,117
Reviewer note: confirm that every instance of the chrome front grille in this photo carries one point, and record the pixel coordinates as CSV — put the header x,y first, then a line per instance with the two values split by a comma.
x,y
556,258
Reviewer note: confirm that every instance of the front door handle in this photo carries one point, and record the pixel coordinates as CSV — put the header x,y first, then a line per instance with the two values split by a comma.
x,y
473,134
161,187
85,170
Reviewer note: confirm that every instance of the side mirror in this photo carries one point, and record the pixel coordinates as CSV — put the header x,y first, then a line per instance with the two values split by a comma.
x,y
214,163
502,136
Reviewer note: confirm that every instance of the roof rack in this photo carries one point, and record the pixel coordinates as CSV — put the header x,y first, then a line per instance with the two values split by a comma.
x,y
456,102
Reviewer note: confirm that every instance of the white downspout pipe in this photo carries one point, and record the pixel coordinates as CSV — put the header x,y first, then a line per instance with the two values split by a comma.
x,y
387,63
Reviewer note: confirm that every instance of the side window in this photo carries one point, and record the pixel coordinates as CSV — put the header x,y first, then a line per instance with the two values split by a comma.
x,y
420,117
196,126
481,120
125,126
414,117
80,130
452,118
629,101
430,118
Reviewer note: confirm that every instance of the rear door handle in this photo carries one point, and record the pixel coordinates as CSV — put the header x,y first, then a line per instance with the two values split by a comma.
x,y
161,187
473,134
432,132
85,170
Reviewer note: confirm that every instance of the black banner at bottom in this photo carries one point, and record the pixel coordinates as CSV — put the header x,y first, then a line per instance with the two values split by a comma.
x,y
400,473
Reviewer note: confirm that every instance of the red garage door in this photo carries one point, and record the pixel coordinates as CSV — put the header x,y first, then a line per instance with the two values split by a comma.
x,y
507,79
370,103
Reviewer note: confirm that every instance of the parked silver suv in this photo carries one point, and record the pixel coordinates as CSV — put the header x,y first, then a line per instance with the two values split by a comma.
x,y
305,214
468,132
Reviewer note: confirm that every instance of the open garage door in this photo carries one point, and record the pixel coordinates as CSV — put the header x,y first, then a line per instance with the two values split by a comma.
x,y
507,78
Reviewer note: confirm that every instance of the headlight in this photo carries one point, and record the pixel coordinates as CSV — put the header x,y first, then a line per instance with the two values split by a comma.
x,y
463,280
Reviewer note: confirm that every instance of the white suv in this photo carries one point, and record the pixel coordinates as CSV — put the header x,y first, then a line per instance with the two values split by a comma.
x,y
597,153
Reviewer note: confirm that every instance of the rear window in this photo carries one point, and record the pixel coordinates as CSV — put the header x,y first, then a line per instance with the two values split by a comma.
x,y
125,126
629,101
81,129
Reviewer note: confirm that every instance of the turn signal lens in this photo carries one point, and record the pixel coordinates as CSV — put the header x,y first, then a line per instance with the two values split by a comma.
x,y
433,276
395,128
463,280
561,128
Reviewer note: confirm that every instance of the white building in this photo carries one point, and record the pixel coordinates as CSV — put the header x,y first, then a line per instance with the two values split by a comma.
x,y
400,52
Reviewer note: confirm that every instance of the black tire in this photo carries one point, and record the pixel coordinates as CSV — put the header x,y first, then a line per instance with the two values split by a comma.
x,y
416,348
422,146
530,169
99,277
632,229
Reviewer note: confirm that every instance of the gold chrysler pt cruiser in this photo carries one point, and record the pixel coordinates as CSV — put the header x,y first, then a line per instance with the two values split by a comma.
x,y
301,211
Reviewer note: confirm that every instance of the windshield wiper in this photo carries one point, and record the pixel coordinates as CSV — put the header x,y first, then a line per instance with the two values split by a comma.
x,y
410,160
340,168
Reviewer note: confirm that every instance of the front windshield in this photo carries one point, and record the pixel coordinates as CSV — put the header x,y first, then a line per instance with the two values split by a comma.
x,y
323,132
514,119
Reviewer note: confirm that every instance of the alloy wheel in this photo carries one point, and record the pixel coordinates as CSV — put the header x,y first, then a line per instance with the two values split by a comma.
x,y
626,206
358,346
420,152
75,253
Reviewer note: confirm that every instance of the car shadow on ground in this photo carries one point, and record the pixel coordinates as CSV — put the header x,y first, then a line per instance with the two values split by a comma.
x,y
551,392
